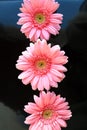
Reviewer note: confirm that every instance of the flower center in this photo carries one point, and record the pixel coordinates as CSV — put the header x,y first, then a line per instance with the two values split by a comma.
x,y
47,114
40,18
41,64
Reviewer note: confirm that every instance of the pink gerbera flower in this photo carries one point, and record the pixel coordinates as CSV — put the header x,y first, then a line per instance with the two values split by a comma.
x,y
49,112
38,19
42,65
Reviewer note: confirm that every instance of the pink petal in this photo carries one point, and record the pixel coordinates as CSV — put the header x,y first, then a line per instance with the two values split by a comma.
x,y
63,105
49,76
37,34
63,112
56,125
60,60
47,127
24,74
45,34
22,66
56,73
56,78
67,117
51,6
53,84
59,100
26,31
23,20
28,79
55,49
22,58
57,16
56,21
34,3
44,48
52,98
40,84
37,50
40,3
38,101
26,55
36,126
23,9
28,6
34,82
60,68
21,14
45,82
62,53
45,97
31,108
32,119
26,25
32,32
52,30
62,123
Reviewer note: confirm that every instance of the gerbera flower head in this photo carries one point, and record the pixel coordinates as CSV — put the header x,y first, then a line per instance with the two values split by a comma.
x,y
49,112
42,65
38,19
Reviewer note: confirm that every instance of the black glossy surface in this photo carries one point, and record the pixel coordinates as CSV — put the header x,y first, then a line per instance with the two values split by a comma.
x,y
14,95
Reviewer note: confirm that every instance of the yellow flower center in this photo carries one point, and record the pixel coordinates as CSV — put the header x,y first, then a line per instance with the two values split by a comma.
x,y
41,64
40,18
47,114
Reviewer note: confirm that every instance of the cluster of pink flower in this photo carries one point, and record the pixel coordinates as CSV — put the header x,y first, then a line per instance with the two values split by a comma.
x,y
43,64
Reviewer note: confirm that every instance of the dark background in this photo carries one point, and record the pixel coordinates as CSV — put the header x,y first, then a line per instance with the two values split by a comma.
x,y
14,95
